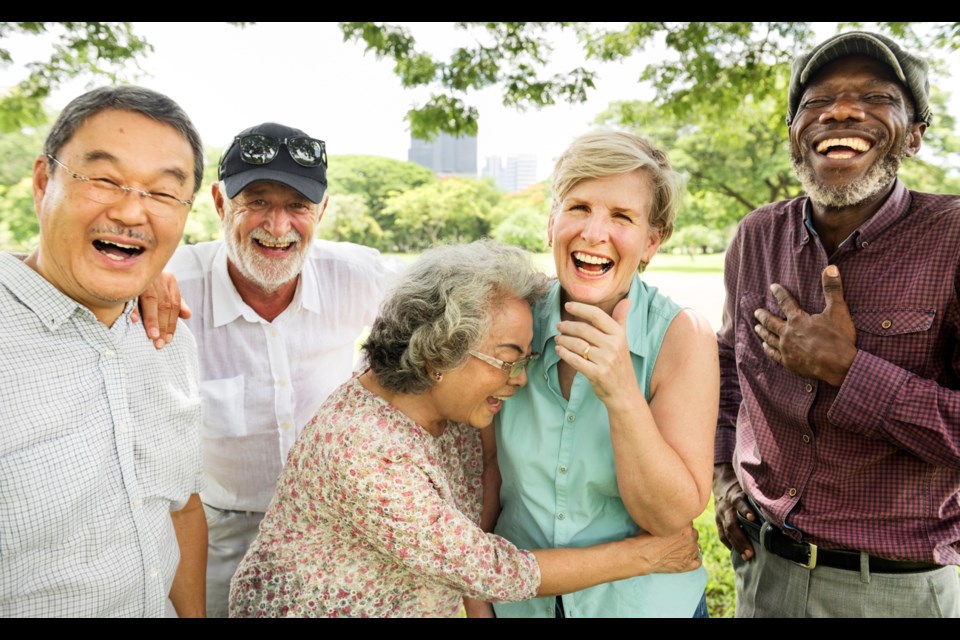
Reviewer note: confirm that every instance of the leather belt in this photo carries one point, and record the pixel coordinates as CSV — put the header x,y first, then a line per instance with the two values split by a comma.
x,y
810,555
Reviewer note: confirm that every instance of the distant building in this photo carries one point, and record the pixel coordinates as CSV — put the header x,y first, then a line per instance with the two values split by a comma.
x,y
516,174
447,156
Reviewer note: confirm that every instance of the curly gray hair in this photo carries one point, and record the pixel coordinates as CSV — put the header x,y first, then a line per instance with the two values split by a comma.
x,y
442,307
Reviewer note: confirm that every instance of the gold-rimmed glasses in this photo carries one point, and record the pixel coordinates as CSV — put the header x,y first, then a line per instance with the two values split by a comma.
x,y
512,369
106,191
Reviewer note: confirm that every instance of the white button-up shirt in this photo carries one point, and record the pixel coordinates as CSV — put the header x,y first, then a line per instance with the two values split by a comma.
x,y
263,381
99,442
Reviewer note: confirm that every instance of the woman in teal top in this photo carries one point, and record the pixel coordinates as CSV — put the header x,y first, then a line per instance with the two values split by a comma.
x,y
613,434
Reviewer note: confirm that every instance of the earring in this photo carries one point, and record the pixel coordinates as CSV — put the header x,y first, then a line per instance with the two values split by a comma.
x,y
437,376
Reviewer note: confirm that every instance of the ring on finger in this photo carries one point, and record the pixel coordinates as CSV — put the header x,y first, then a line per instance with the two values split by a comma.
x,y
586,353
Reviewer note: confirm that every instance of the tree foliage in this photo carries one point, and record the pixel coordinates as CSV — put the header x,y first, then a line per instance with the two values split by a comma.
x,y
708,67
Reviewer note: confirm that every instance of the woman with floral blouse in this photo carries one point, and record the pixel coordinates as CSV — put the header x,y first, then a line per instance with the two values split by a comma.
x,y
378,509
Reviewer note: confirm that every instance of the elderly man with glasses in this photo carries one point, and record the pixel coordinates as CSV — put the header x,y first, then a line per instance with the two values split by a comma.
x,y
276,315
99,432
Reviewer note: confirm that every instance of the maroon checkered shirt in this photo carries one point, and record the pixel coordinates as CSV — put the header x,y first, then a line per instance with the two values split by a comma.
x,y
875,464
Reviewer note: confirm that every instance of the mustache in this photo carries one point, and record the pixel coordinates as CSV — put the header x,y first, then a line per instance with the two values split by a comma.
x,y
124,231
261,234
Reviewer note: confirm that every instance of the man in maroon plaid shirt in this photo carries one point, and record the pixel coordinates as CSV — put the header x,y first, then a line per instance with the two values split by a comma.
x,y
838,444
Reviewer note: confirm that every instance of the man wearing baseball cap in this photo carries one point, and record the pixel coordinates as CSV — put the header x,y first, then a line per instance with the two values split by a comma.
x,y
276,315
837,461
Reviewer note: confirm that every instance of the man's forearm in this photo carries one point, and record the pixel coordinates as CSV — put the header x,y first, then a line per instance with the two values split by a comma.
x,y
188,593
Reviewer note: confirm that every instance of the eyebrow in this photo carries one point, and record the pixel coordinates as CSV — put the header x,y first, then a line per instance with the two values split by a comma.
x,y
100,155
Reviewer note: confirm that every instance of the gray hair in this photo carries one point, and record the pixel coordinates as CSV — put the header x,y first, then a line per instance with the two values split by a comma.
x,y
601,154
125,98
442,308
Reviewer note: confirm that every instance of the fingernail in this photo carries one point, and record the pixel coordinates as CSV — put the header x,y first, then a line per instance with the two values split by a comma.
x,y
154,333
832,271
159,343
169,337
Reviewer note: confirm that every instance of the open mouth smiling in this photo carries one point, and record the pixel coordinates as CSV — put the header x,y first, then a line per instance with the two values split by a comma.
x,y
116,250
842,148
591,264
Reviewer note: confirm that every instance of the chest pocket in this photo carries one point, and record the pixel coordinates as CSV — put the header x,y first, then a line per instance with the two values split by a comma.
x,y
901,336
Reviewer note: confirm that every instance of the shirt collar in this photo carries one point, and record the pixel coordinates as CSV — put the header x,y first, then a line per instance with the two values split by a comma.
x,y
52,306
228,305
895,207
548,315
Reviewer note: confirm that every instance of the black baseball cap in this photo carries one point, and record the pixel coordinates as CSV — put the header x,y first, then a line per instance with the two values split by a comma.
x,y
236,175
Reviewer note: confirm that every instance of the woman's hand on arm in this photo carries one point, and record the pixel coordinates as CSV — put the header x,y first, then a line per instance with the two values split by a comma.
x,y
568,570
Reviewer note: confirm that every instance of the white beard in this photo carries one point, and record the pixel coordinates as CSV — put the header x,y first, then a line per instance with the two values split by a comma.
x,y
269,275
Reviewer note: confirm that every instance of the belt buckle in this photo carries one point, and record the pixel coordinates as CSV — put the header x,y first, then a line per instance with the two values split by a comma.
x,y
766,538
812,562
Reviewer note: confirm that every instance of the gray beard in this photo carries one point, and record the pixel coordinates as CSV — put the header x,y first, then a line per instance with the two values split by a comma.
x,y
267,275
877,178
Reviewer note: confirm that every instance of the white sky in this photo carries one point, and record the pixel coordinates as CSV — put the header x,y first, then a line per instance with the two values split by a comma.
x,y
228,78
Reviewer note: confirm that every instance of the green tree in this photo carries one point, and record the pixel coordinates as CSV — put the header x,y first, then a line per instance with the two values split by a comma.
x,y
448,210
376,179
348,219
19,229
707,66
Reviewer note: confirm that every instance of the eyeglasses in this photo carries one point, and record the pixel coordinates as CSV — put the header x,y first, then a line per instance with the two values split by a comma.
x,y
106,191
512,369
256,148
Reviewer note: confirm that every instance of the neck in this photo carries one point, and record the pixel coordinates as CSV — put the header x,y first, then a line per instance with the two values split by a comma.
x,y
834,225
107,313
267,304
417,407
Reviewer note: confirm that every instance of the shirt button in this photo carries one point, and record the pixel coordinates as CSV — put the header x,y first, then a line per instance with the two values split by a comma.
x,y
121,428
809,387
282,383
285,426
563,469
792,492
806,438
864,244
886,324
561,516
153,573
109,354
273,333
571,418
551,610
136,503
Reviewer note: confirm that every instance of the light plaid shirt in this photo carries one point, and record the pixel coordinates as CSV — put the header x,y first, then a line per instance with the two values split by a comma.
x,y
99,442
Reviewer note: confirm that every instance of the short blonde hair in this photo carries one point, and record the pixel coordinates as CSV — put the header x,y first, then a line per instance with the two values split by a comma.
x,y
601,154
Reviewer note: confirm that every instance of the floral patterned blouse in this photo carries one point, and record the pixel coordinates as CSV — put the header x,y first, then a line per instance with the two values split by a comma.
x,y
373,516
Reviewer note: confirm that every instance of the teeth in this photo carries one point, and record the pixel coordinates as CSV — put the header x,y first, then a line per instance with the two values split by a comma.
x,y
274,245
583,257
857,144
121,245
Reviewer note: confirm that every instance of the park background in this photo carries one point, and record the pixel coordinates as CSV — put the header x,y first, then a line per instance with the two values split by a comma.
x,y
712,93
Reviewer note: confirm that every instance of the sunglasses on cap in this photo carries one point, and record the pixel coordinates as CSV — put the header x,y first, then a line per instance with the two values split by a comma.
x,y
256,148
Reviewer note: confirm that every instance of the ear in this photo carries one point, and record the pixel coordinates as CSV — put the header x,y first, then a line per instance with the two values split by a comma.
x,y
323,207
653,243
41,177
217,198
914,138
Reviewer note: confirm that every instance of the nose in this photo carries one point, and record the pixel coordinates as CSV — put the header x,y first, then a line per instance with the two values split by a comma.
x,y
130,210
594,229
842,109
276,221
519,380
